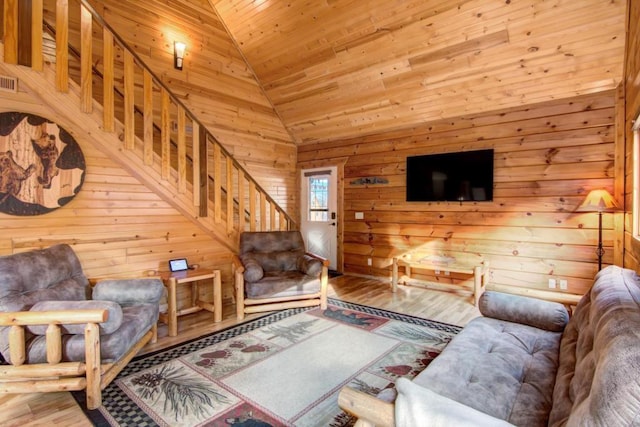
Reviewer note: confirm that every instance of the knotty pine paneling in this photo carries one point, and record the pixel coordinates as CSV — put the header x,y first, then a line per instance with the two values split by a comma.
x,y
215,84
116,225
340,69
547,157
632,112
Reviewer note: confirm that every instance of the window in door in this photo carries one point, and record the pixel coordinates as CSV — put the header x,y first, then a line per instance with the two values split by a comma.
x,y
318,198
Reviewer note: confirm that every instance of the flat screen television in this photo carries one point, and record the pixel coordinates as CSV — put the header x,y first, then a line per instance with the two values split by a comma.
x,y
461,176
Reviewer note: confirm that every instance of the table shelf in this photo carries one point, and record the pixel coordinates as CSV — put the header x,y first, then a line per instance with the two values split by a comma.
x,y
171,282
478,271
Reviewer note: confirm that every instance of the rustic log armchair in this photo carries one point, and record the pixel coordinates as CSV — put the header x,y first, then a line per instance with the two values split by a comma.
x,y
273,271
54,338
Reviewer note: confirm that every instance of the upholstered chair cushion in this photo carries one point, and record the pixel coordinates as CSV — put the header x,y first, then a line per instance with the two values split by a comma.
x,y
276,265
128,292
114,319
548,315
282,284
136,321
48,274
54,274
271,241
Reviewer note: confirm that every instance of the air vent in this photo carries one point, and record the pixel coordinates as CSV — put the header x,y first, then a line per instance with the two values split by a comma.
x,y
8,84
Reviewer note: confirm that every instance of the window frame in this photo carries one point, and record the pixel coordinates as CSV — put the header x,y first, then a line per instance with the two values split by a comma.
x,y
636,178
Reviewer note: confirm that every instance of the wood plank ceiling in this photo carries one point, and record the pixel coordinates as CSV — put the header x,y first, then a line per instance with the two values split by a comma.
x,y
336,69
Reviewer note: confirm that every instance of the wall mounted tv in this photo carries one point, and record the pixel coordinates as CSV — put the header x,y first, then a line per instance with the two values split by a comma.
x,y
461,176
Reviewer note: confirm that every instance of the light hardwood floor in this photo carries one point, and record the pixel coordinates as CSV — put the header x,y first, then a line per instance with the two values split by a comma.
x,y
60,409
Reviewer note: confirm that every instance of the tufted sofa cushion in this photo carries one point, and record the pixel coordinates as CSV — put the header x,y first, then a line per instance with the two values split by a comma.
x,y
598,382
504,369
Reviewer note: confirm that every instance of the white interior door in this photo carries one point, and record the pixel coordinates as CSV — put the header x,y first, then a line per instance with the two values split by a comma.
x,y
319,201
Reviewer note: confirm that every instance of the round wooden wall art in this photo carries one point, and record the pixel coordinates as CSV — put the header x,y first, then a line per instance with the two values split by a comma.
x,y
41,166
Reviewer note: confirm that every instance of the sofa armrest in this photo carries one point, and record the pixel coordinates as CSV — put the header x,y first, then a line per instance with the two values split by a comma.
x,y
417,405
548,315
129,291
66,309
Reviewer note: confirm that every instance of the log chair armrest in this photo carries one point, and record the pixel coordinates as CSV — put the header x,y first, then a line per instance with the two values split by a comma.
x,y
236,263
325,261
26,318
313,265
369,410
129,291
237,270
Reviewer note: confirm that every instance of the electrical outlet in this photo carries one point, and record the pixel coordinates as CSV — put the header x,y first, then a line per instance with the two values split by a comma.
x,y
563,284
437,271
369,262
359,215
552,283
446,273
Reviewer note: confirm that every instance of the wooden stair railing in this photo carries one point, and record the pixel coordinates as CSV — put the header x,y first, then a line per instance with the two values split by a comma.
x,y
155,124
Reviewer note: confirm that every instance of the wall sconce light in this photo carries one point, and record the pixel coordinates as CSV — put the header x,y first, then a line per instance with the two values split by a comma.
x,y
178,54
599,201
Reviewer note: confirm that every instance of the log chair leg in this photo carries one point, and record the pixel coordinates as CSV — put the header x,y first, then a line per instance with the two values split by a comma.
x,y
239,282
154,337
92,355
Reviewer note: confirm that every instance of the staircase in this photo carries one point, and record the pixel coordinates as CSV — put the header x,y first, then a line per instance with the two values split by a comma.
x,y
104,88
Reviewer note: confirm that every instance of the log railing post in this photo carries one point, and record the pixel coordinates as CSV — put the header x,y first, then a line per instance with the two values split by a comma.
x,y
62,45
10,31
36,35
86,71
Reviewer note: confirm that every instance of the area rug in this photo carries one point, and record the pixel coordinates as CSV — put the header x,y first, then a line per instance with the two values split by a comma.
x,y
283,369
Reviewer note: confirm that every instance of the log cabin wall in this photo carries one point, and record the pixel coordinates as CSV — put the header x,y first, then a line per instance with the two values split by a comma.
x,y
215,83
117,226
632,111
547,157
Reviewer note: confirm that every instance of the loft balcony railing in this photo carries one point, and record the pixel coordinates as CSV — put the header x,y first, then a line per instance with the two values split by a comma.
x,y
155,124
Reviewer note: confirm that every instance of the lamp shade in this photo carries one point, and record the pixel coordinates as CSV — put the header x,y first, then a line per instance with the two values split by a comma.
x,y
178,54
598,201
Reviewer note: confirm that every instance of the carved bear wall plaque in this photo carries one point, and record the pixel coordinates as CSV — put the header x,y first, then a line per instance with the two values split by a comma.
x,y
41,166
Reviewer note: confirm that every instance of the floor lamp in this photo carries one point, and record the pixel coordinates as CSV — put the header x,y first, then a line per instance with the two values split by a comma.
x,y
598,201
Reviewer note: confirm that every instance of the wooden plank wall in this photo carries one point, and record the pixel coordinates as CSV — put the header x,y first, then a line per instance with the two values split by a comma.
x,y
117,226
215,84
547,157
341,69
632,112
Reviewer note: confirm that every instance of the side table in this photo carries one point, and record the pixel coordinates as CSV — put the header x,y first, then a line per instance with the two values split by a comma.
x,y
172,280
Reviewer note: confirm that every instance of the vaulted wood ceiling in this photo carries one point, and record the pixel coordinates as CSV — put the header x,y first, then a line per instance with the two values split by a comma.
x,y
341,68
